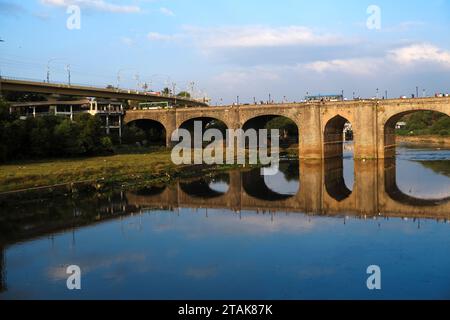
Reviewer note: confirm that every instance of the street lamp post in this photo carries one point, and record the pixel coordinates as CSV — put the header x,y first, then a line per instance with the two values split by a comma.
x,y
49,65
174,85
1,95
68,73
138,80
119,78
119,75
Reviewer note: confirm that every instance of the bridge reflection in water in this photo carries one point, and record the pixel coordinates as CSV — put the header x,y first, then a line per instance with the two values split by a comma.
x,y
322,191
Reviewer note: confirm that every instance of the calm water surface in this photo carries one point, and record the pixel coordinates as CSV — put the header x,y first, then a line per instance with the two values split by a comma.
x,y
198,240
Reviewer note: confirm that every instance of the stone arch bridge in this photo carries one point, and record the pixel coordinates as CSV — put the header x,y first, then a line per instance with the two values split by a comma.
x,y
320,124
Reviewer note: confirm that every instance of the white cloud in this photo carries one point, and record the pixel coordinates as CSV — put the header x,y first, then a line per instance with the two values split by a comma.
x,y
100,5
167,12
155,36
257,36
362,66
396,59
420,53
261,36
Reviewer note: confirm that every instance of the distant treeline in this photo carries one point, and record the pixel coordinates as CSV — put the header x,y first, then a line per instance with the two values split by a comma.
x,y
426,123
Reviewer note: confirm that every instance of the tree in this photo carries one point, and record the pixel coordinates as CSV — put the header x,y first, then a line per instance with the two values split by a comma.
x,y
67,137
41,138
132,134
184,94
91,133
287,127
426,122
4,111
166,91
25,97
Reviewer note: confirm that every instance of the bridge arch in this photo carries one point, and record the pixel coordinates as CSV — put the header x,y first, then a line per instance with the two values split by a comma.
x,y
335,134
248,113
389,128
151,131
207,123
289,128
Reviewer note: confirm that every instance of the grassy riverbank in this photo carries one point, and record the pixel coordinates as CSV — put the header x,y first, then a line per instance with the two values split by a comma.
x,y
126,167
108,169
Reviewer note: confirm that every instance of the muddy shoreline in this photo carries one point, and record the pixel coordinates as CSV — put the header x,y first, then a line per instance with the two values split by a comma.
x,y
438,141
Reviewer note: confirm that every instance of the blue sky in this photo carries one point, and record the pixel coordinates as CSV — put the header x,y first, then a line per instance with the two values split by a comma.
x,y
228,47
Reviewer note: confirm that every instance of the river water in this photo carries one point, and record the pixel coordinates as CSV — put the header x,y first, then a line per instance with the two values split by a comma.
x,y
309,232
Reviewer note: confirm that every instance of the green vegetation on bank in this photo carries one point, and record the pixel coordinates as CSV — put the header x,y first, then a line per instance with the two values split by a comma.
x,y
57,137
50,137
116,169
425,123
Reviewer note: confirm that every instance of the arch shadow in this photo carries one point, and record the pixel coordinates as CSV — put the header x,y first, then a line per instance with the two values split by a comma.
x,y
150,191
254,184
201,188
334,179
394,192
